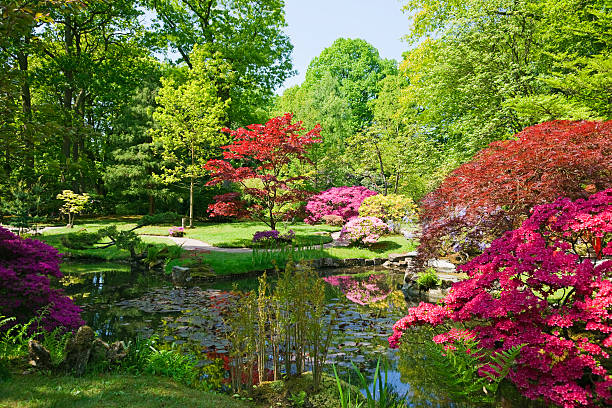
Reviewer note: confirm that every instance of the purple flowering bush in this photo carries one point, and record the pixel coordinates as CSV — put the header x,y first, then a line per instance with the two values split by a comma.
x,y
364,230
26,266
176,231
273,236
341,201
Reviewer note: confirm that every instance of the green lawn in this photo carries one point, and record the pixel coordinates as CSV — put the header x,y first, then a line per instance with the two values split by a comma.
x,y
236,234
108,390
240,234
238,263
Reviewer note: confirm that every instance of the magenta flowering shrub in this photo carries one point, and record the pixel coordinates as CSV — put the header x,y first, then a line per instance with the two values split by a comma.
x,y
26,266
341,201
176,231
547,285
364,230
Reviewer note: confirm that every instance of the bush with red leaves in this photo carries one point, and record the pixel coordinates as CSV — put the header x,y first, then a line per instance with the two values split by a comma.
x,y
495,191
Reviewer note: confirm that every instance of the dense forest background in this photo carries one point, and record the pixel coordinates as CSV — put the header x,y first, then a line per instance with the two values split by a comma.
x,y
125,99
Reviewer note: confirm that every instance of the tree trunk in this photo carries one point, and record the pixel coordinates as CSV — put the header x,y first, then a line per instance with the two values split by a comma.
x,y
26,100
151,204
382,170
397,177
191,203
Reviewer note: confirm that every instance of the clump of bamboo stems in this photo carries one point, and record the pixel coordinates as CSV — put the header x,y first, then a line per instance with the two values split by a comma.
x,y
282,331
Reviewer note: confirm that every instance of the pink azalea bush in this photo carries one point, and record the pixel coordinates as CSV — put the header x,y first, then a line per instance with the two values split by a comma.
x,y
341,201
26,266
542,285
364,230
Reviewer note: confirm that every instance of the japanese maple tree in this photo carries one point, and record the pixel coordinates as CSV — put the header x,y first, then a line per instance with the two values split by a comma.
x,y
258,160
495,191
548,286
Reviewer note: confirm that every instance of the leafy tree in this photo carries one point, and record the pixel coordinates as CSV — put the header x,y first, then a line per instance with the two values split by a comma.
x,y
497,189
266,151
189,119
73,204
539,286
357,67
247,34
321,103
130,169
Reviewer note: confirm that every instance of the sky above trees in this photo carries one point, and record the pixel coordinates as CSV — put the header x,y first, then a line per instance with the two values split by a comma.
x,y
314,25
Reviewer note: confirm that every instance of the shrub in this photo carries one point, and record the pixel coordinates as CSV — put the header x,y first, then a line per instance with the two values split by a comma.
x,y
496,190
176,231
428,279
540,285
364,230
341,201
25,289
334,220
393,208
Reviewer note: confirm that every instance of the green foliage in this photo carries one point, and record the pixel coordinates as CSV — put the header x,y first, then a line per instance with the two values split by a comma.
x,y
189,118
23,204
428,279
381,395
73,204
298,399
227,28
14,339
393,207
458,370
345,394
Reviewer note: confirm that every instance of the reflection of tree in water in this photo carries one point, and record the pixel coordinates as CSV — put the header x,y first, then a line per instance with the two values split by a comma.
x,y
362,290
97,292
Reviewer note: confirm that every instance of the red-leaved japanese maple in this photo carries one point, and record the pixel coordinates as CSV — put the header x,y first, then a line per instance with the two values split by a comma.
x,y
264,153
547,285
494,192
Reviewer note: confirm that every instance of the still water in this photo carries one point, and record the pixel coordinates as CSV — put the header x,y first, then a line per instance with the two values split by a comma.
x,y
122,303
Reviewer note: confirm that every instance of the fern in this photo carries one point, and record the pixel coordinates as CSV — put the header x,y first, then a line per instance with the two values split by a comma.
x,y
469,373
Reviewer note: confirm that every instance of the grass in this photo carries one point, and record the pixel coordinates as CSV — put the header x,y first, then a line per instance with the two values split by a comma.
x,y
236,234
240,234
108,390
224,263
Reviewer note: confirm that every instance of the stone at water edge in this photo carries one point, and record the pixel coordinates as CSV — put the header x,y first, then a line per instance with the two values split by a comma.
x,y
180,275
78,350
39,356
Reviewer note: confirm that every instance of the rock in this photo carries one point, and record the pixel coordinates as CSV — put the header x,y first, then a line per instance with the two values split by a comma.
x,y
78,350
180,275
397,257
116,352
99,351
442,266
39,355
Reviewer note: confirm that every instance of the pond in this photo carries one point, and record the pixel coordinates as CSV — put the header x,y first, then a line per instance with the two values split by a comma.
x,y
362,304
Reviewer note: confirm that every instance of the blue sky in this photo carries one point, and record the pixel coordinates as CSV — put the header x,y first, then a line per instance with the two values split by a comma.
x,y
313,25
